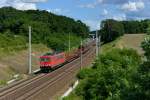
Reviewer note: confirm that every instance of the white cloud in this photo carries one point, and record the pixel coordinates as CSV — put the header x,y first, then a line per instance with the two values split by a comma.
x,y
115,2
133,6
119,17
91,5
140,5
105,12
33,1
100,1
58,11
21,4
88,6
94,24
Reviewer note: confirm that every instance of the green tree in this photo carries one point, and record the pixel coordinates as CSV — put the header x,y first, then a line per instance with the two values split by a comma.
x,y
144,72
111,76
111,29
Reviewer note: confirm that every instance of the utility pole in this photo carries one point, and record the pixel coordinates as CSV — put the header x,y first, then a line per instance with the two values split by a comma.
x,y
81,55
30,58
97,43
69,42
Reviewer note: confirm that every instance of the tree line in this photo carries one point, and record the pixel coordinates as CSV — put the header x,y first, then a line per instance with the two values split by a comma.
x,y
111,29
45,26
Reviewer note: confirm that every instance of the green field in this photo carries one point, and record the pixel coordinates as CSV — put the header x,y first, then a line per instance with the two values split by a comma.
x,y
127,41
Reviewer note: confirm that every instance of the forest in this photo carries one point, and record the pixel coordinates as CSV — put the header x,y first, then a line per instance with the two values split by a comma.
x,y
112,29
47,28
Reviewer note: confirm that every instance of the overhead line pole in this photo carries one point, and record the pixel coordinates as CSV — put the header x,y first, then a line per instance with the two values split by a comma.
x,y
81,55
30,50
97,43
69,42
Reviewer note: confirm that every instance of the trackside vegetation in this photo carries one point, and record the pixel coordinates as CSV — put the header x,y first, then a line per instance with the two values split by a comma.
x,y
144,71
111,77
119,74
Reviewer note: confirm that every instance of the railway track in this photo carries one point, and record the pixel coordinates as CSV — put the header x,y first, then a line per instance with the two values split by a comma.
x,y
31,88
55,86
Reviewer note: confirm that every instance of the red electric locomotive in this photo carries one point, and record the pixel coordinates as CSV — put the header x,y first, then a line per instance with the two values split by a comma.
x,y
50,61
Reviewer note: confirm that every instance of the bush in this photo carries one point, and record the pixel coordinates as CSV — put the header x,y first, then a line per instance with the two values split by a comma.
x,y
143,75
10,43
111,77
87,72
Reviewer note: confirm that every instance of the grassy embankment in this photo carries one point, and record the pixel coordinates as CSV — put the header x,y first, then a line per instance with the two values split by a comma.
x,y
14,56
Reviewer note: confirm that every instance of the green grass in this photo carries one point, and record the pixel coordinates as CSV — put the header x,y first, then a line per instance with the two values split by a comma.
x,y
3,83
127,41
109,46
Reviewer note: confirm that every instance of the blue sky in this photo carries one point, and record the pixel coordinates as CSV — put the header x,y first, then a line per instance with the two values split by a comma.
x,y
91,12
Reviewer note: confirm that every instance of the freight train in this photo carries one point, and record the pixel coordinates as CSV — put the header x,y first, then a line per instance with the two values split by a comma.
x,y
51,61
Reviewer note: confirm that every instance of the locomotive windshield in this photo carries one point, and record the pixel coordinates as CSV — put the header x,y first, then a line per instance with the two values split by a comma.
x,y
45,59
